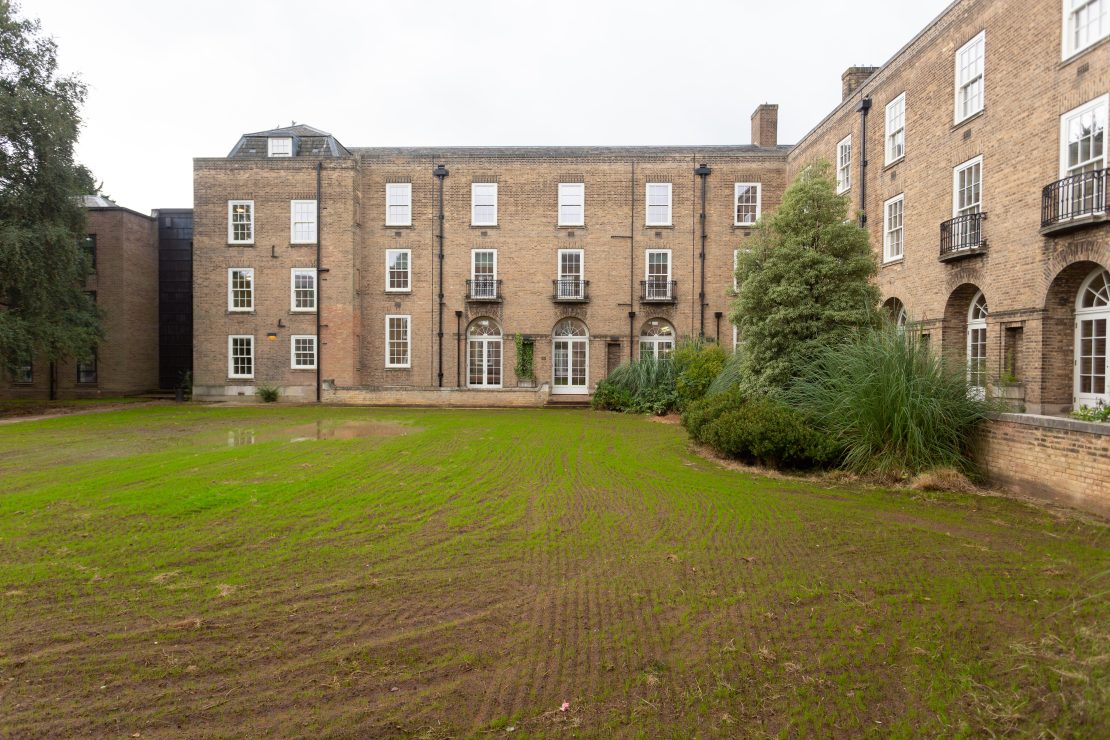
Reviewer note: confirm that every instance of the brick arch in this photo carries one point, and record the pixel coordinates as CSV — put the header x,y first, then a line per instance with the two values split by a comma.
x,y
892,307
1058,327
954,328
1087,250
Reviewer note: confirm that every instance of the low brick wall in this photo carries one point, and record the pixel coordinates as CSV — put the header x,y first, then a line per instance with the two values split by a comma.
x,y
1064,461
444,397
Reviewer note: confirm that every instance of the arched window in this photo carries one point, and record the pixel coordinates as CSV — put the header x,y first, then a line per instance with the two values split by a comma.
x,y
483,354
656,339
977,345
570,357
1092,315
896,310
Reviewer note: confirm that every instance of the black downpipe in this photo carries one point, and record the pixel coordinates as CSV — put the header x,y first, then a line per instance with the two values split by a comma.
x,y
458,349
440,173
863,107
703,172
53,372
632,268
319,285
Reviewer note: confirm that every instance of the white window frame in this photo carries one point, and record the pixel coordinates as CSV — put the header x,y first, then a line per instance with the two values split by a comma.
x,y
483,343
311,239
974,326
272,151
580,289
231,307
389,253
956,186
474,206
474,275
231,357
404,190
1067,34
231,225
293,273
844,168
980,39
408,341
647,204
887,256
1102,101
736,202
670,272
293,352
890,134
1082,315
568,193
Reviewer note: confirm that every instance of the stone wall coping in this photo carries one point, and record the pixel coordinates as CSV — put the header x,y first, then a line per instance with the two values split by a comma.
x,y
1055,422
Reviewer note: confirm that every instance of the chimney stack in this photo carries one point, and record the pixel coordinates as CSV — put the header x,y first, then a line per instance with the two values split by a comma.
x,y
853,77
765,125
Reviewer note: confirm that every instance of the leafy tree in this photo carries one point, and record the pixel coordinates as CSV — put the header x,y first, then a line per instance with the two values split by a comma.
x,y
806,281
43,307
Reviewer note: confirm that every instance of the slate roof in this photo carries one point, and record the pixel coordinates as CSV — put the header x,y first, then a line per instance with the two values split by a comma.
x,y
541,152
307,142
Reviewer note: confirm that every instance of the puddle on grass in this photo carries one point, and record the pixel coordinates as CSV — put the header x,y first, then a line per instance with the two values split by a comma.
x,y
317,431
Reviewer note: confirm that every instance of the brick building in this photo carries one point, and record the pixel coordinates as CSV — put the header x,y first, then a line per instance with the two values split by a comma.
x,y
977,159
124,283
590,254
432,261
141,281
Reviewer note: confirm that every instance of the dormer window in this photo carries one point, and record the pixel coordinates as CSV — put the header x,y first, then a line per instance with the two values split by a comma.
x,y
280,146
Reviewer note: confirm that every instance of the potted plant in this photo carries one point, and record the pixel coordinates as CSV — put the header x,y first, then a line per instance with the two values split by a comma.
x,y
1008,389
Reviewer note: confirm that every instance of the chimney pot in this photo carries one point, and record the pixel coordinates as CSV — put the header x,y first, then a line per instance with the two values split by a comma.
x,y
765,125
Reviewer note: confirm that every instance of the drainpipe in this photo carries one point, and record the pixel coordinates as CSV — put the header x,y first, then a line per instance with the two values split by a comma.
x,y
632,265
319,283
717,315
440,173
458,350
703,172
862,108
53,378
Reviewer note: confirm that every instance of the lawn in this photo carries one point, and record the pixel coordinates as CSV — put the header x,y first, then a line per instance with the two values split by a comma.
x,y
342,571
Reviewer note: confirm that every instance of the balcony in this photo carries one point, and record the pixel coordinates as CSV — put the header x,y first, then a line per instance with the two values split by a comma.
x,y
570,290
962,237
1074,202
658,291
483,290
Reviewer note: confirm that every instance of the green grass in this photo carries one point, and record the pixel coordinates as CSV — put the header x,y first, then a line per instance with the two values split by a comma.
x,y
160,574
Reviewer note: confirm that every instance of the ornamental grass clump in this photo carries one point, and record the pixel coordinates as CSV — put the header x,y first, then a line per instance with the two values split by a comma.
x,y
892,404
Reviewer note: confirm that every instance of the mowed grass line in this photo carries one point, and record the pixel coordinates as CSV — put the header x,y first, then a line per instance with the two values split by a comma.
x,y
458,572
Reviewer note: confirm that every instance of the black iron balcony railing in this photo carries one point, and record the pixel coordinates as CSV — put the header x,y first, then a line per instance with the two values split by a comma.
x,y
570,290
658,290
962,236
1076,198
483,289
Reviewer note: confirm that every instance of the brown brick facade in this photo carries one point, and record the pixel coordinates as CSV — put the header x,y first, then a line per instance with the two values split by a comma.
x,y
1029,279
125,281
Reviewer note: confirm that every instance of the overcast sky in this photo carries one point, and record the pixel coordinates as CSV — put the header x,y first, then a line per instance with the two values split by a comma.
x,y
169,81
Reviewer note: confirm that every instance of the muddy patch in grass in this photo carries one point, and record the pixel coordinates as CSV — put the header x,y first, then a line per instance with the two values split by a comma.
x,y
320,430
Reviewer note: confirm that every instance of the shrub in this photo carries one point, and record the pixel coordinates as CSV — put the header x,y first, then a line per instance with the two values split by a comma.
x,y
643,387
890,402
1098,413
770,433
268,393
731,375
696,363
699,414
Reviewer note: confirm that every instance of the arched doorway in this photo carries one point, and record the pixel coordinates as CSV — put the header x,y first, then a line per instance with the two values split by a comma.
x,y
483,354
570,357
977,346
1092,316
656,339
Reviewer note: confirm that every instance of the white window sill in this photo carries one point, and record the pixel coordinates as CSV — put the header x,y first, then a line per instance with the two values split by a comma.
x,y
303,310
968,118
240,244
398,291
398,226
893,162
398,367
894,261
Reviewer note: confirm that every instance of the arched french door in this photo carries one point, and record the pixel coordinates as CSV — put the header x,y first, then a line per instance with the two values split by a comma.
x,y
1092,316
570,357
483,354
656,339
977,346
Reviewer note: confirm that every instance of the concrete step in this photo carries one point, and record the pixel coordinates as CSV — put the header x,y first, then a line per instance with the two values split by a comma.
x,y
568,401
